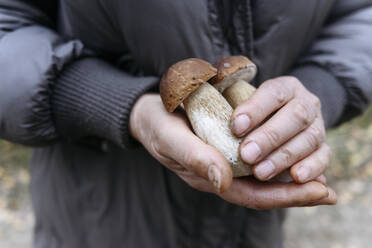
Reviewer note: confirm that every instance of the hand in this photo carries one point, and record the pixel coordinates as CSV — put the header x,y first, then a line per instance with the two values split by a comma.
x,y
169,139
292,137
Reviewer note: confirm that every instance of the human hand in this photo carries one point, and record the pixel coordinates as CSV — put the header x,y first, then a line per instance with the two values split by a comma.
x,y
169,139
293,137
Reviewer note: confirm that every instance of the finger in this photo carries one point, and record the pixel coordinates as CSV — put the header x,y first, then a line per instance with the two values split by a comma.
x,y
283,177
253,194
286,123
322,179
269,97
180,144
197,182
313,166
291,152
331,199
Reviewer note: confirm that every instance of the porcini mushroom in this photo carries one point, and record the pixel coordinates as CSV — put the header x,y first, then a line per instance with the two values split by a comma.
x,y
208,111
234,74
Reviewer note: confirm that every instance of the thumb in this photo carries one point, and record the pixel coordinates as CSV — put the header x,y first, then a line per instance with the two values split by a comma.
x,y
198,157
206,162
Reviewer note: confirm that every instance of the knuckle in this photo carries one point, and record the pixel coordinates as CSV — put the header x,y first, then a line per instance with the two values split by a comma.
x,y
255,200
276,91
258,110
324,158
279,96
257,204
158,150
156,147
293,81
272,136
303,114
248,108
316,101
283,196
314,137
158,143
192,160
287,155
318,129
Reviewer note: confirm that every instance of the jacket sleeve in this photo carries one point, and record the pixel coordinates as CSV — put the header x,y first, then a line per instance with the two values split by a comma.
x,y
49,90
338,66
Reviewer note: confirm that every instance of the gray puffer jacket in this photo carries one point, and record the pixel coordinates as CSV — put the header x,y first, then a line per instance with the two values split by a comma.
x,y
71,70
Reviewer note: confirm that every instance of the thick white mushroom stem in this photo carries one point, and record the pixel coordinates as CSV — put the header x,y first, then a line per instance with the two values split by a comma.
x,y
209,114
238,93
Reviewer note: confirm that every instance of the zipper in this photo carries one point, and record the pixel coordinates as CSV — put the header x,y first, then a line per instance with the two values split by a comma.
x,y
248,28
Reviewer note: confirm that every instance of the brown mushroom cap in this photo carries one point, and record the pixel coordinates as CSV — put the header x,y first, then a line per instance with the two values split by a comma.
x,y
231,69
183,78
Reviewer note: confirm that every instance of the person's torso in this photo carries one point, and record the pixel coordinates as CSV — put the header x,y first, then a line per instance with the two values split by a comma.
x,y
85,198
149,36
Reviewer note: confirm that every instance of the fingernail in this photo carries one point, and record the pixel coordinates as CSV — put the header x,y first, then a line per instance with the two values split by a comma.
x,y
241,124
250,152
265,170
303,174
214,176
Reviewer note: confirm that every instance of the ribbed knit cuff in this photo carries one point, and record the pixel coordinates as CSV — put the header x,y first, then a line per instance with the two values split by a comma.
x,y
92,98
327,88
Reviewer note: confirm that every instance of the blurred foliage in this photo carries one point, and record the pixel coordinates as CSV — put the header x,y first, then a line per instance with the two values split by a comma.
x,y
14,176
13,155
352,146
16,218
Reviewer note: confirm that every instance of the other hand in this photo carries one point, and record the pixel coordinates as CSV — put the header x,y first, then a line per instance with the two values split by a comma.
x,y
293,135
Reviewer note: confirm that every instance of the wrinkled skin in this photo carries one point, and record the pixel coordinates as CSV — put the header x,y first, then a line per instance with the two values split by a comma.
x,y
169,139
292,137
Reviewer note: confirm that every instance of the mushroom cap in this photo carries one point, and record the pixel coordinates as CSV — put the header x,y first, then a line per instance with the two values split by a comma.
x,y
183,78
232,69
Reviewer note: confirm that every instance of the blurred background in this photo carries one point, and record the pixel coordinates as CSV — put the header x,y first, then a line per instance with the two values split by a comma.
x,y
346,225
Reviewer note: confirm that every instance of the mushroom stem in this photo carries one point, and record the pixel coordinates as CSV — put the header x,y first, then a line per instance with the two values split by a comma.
x,y
238,93
209,114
